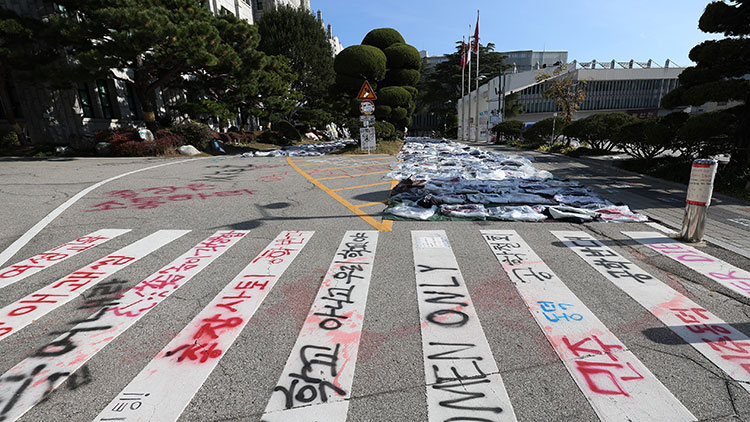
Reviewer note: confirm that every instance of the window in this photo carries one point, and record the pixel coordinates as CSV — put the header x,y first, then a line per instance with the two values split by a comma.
x,y
102,88
259,4
85,99
132,102
225,11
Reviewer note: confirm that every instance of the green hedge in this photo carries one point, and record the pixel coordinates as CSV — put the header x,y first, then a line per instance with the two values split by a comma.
x,y
403,56
383,38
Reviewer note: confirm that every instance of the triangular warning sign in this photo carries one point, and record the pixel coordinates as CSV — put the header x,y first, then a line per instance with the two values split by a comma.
x,y
366,92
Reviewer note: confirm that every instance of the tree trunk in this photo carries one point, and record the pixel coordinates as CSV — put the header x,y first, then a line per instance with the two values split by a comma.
x,y
148,105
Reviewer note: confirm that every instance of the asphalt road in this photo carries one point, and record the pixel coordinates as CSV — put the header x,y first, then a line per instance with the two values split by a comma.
x,y
268,196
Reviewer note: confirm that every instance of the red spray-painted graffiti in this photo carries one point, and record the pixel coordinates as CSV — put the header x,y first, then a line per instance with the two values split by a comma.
x,y
158,196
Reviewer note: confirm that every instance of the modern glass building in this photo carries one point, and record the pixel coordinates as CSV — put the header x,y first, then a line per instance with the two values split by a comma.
x,y
630,87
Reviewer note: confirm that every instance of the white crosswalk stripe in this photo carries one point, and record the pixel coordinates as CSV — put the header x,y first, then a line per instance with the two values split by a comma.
x,y
317,379
69,352
44,260
23,312
461,376
719,342
613,379
729,276
168,383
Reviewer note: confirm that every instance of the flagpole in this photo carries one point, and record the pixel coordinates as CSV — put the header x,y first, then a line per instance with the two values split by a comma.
x,y
476,40
463,87
468,121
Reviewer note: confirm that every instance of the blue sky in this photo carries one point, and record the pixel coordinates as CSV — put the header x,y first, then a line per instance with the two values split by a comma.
x,y
587,29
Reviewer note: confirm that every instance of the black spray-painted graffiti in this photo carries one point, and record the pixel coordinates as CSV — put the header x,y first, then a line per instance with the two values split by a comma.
x,y
100,298
322,362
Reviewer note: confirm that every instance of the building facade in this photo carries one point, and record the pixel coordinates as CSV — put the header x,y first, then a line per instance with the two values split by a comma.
x,y
525,60
630,87
259,6
243,9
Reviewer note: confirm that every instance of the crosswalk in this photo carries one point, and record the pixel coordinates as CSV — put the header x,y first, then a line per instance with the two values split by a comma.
x,y
461,372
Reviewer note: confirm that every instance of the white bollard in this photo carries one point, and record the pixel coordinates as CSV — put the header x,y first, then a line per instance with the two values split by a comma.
x,y
699,193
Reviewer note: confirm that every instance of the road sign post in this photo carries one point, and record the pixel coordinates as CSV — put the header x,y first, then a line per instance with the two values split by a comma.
x,y
367,108
699,194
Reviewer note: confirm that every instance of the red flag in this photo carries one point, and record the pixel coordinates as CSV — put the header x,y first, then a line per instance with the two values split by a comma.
x,y
463,55
476,35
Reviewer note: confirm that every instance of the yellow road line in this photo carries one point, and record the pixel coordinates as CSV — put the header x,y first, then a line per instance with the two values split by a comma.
x,y
385,226
351,167
353,175
388,224
360,186
369,204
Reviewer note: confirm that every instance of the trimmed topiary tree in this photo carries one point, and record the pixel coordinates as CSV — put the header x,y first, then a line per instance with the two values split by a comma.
x,y
392,68
360,62
403,56
383,38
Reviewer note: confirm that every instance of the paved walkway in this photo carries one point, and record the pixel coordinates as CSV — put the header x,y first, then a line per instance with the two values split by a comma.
x,y
728,223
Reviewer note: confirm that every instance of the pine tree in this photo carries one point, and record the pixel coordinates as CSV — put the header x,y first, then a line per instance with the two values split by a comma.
x,y
722,68
240,82
160,40
298,36
26,50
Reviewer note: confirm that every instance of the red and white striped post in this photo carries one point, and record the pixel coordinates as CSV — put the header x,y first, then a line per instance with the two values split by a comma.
x,y
699,193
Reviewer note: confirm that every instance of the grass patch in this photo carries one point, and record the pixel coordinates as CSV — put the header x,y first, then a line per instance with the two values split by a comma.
x,y
381,147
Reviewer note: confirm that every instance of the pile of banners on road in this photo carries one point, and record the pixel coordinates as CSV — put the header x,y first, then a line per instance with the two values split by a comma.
x,y
306,150
444,180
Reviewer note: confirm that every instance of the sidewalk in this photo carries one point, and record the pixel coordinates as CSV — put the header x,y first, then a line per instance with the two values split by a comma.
x,y
728,224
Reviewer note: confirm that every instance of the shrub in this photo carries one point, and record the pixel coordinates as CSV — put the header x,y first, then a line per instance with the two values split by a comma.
x,y
385,131
383,38
403,56
9,139
126,145
167,143
247,138
509,129
195,134
287,131
361,61
271,137
541,131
